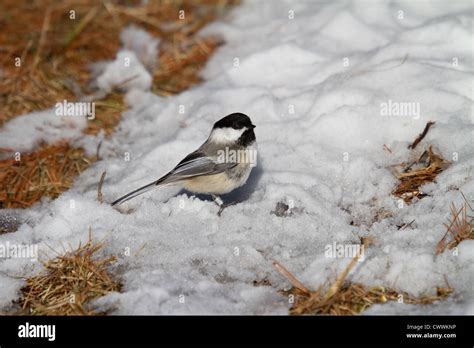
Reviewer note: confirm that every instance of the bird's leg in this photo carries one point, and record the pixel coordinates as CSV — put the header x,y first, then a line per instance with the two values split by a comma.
x,y
220,203
217,200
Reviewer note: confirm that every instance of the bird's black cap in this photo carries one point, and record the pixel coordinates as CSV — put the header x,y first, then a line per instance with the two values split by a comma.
x,y
236,120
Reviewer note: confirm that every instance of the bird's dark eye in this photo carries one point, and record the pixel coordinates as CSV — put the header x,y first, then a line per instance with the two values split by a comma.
x,y
235,126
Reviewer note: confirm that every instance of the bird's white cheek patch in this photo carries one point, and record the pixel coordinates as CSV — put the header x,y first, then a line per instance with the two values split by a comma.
x,y
225,135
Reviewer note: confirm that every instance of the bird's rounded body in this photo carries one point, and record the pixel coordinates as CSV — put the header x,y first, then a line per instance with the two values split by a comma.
x,y
219,166
228,180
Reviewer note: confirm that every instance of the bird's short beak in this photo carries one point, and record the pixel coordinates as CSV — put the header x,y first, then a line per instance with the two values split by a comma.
x,y
252,126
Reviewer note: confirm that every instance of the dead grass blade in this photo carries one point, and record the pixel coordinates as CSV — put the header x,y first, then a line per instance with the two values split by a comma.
x,y
80,27
291,278
342,276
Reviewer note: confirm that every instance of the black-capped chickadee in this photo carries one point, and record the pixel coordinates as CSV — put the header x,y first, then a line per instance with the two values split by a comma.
x,y
220,165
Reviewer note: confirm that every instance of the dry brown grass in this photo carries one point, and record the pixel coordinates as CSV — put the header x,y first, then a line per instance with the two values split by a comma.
x,y
460,227
429,165
69,283
354,298
56,52
46,172
343,297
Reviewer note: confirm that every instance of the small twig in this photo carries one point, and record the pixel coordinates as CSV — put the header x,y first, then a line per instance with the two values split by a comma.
x,y
97,152
295,282
422,135
387,148
100,197
402,227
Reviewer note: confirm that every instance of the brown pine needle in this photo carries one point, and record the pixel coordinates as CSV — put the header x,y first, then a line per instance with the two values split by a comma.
x,y
100,197
459,228
291,278
44,31
421,135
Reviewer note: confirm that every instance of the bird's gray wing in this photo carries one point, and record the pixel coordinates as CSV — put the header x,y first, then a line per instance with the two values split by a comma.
x,y
194,164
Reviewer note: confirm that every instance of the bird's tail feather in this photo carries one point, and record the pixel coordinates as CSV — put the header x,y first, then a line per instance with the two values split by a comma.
x,y
135,193
143,189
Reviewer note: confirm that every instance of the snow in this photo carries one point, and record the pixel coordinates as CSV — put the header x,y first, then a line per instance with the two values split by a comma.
x,y
134,63
314,86
26,132
125,73
144,45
